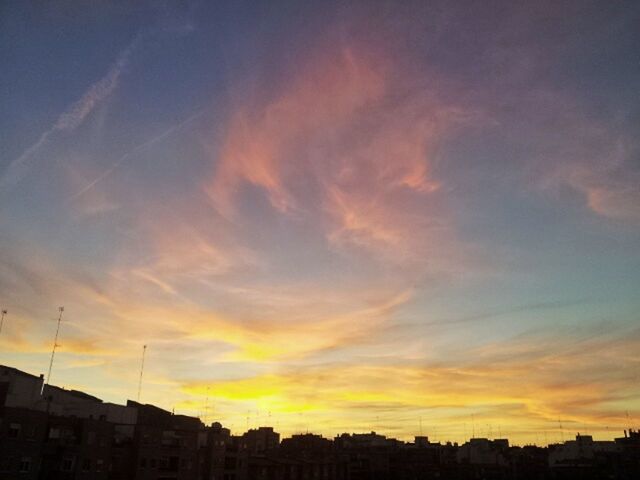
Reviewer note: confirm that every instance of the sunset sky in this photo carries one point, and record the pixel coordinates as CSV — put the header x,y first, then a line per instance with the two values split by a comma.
x,y
329,216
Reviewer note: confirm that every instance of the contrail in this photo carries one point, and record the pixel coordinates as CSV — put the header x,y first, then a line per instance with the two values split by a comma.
x,y
73,117
129,154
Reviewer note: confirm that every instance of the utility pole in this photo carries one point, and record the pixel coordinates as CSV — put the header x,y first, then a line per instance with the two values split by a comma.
x,y
4,312
55,343
144,350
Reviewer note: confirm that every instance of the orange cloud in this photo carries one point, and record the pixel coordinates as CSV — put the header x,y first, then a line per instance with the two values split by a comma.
x,y
297,336
350,141
263,141
524,395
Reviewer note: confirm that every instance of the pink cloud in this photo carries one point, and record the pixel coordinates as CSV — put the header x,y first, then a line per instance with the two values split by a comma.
x,y
586,154
351,141
262,138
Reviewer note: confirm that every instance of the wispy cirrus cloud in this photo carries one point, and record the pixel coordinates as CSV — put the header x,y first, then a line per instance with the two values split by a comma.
x,y
262,137
131,154
597,161
351,140
567,147
72,117
610,189
573,378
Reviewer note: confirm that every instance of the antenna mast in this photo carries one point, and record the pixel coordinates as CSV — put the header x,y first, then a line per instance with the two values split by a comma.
x,y
55,344
561,431
144,351
473,425
4,312
206,408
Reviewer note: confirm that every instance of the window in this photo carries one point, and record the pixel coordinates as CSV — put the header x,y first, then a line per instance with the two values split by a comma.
x,y
14,430
86,465
91,438
67,464
54,432
25,464
143,462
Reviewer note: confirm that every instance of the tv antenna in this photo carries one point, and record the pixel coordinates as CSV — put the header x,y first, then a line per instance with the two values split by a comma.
x,y
473,425
206,407
561,431
144,351
55,343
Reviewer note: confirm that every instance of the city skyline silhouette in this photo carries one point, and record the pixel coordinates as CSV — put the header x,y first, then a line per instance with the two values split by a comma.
x,y
51,432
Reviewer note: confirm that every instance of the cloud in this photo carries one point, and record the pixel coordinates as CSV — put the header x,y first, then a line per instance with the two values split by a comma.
x,y
73,117
598,163
82,347
260,138
565,146
129,155
609,191
159,300
523,384
297,337
351,141
292,270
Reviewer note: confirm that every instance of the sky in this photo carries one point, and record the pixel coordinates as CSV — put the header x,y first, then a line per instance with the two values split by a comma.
x,y
414,218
